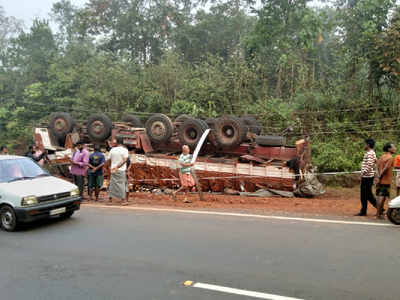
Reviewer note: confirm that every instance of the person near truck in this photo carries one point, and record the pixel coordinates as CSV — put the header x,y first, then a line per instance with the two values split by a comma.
x,y
185,175
396,165
367,177
36,155
79,165
385,177
95,172
3,150
118,158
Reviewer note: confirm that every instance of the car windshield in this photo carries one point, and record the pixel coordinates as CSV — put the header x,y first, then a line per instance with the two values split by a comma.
x,y
20,169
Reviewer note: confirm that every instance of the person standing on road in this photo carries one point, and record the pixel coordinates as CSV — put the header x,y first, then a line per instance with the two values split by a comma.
x,y
385,177
367,177
3,150
118,158
79,162
128,177
185,175
397,167
95,172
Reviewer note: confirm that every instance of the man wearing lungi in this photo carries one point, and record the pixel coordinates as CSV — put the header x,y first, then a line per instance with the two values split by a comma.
x,y
118,157
185,175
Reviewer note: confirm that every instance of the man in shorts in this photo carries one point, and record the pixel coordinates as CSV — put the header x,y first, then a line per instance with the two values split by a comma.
x,y
185,175
118,158
95,172
385,177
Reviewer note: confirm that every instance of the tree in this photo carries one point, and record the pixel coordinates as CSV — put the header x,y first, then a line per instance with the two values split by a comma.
x,y
218,32
387,54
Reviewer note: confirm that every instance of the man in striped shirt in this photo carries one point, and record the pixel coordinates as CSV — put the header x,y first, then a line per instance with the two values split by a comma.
x,y
367,177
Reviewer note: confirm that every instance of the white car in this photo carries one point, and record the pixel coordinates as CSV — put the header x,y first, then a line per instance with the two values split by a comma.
x,y
29,193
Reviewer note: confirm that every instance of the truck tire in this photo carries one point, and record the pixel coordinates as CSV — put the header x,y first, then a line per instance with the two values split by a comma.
x,y
253,125
159,128
182,118
270,140
229,131
190,132
99,127
133,121
61,123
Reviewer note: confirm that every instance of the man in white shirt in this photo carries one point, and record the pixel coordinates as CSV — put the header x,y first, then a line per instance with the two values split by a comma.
x,y
118,158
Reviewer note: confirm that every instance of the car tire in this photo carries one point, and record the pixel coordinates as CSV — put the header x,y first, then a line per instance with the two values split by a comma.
x,y
67,215
99,127
393,215
61,123
190,132
270,140
159,128
229,131
133,121
8,219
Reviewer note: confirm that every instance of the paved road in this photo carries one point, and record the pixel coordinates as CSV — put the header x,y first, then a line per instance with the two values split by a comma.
x,y
125,254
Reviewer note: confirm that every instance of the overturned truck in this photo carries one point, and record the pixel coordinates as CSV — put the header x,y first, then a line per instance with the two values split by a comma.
x,y
234,157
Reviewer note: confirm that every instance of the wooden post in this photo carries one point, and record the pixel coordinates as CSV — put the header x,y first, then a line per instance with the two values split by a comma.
x,y
198,186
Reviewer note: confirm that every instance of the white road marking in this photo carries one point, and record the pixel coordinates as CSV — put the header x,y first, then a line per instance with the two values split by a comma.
x,y
216,213
224,289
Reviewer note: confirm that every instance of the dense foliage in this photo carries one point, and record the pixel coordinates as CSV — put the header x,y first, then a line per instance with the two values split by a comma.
x,y
329,71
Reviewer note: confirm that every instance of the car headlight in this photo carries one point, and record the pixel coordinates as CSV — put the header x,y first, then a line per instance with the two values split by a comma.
x,y
29,201
75,192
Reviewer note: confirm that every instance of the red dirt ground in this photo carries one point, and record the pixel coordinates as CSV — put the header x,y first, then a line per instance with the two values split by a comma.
x,y
336,202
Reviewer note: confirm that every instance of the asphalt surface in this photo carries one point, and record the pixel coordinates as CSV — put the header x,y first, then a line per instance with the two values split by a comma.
x,y
125,254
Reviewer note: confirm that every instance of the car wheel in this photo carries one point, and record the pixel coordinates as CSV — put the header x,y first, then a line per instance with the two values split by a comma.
x,y
8,218
67,215
393,215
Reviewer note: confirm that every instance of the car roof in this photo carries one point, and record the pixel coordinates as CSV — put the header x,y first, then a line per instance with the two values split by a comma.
x,y
4,157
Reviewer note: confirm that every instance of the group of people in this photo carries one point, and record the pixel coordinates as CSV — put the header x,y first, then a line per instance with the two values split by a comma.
x,y
380,170
119,164
83,163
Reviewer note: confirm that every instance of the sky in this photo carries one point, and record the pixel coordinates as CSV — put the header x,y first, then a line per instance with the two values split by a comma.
x,y
27,10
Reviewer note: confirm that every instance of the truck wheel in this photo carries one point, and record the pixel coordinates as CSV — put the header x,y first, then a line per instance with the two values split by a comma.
x,y
270,140
132,120
159,128
60,124
253,125
8,218
393,215
190,132
99,127
182,118
229,131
